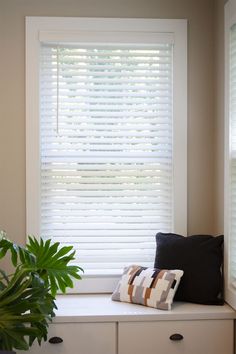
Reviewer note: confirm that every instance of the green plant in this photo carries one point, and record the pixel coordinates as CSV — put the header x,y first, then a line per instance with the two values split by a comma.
x,y
27,296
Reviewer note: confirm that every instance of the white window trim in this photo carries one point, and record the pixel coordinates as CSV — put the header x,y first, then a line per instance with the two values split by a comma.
x,y
69,30
230,19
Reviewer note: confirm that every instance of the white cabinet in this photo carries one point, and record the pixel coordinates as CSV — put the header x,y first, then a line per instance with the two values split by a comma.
x,y
149,337
79,338
198,337
93,324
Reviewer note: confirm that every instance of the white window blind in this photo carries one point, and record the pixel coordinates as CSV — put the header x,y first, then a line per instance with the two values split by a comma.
x,y
106,131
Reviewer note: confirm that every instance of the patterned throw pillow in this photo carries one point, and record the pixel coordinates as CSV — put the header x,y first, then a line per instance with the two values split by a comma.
x,y
148,286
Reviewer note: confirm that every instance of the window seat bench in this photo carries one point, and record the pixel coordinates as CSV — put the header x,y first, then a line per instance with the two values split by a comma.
x,y
94,324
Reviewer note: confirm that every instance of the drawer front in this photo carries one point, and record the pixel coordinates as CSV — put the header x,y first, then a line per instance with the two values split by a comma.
x,y
199,337
79,338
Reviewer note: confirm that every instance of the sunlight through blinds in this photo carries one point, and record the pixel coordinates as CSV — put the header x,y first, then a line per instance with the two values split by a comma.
x,y
107,151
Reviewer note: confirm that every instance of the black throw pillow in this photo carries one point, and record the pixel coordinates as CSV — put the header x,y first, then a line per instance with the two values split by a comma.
x,y
200,257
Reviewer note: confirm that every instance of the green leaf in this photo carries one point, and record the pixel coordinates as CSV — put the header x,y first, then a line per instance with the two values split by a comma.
x,y
3,251
27,297
14,255
52,264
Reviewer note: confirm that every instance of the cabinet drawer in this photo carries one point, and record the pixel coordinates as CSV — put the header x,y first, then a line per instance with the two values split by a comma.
x,y
199,337
79,338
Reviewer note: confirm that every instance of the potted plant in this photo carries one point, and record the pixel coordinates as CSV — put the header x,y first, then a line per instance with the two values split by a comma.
x,y
27,295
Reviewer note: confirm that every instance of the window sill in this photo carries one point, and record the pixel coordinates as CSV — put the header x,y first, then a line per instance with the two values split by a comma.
x,y
100,308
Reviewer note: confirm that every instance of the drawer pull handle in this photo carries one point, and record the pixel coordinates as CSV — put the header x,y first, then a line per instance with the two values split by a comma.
x,y
176,336
55,340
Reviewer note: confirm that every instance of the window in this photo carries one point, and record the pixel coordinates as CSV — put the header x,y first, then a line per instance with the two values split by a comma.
x,y
106,138
230,152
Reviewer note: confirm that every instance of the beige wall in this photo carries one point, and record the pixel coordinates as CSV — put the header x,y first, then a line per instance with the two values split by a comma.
x,y
200,13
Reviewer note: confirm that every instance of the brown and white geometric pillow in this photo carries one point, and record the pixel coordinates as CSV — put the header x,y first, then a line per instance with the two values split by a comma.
x,y
148,286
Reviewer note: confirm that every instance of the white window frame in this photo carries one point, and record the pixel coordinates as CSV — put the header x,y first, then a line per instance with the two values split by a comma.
x,y
71,30
230,19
